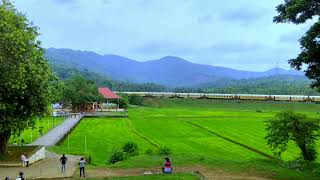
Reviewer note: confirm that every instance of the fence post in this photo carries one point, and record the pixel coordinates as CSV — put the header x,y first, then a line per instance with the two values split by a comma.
x,y
85,144
68,141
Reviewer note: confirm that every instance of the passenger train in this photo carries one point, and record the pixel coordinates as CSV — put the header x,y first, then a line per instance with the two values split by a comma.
x,y
260,97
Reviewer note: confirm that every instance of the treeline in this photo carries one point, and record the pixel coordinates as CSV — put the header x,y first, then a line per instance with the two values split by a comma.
x,y
280,84
283,85
66,72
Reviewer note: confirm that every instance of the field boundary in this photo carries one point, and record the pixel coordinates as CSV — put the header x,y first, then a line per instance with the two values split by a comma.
x,y
142,136
232,141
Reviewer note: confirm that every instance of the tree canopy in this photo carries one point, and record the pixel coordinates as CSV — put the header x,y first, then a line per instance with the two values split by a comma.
x,y
27,84
79,91
298,12
289,126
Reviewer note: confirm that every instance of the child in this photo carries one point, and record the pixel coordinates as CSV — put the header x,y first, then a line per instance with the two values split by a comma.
x,y
82,165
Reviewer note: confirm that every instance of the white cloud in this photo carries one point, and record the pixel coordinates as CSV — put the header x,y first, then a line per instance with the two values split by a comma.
x,y
238,34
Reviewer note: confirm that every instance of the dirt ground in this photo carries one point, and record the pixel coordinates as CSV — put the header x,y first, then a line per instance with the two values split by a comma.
x,y
204,172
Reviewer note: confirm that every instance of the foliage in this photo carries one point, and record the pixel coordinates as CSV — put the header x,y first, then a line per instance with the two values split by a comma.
x,y
164,150
299,12
287,126
27,84
130,148
117,156
123,102
136,100
280,84
88,158
79,91
66,72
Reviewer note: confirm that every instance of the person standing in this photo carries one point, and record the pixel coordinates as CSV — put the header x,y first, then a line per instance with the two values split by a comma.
x,y
63,161
82,165
24,160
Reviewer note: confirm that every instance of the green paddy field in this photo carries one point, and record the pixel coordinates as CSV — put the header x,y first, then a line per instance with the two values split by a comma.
x,y
227,135
31,134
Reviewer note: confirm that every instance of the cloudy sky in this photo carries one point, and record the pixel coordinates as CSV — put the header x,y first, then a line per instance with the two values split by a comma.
x,y
231,33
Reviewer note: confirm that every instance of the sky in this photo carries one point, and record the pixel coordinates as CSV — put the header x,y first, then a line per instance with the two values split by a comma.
x,y
232,33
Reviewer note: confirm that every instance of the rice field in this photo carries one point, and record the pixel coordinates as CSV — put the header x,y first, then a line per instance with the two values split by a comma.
x,y
41,127
222,135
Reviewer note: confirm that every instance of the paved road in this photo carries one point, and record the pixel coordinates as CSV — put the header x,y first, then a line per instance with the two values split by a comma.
x,y
57,133
48,168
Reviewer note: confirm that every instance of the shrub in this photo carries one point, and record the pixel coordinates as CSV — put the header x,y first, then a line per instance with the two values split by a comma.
x,y
149,152
201,158
130,148
259,111
136,100
164,151
88,158
116,156
123,102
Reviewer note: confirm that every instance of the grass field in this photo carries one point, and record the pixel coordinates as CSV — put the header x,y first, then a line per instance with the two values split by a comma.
x,y
218,134
31,134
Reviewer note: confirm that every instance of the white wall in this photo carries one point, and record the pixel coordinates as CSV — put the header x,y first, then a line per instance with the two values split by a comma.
x,y
38,155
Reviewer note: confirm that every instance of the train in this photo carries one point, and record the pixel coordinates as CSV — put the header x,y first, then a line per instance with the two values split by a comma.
x,y
258,97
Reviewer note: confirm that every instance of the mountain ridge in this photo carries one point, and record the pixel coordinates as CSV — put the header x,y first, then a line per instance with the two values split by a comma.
x,y
169,70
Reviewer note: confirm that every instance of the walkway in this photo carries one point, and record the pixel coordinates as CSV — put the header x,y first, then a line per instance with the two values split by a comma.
x,y
56,134
45,169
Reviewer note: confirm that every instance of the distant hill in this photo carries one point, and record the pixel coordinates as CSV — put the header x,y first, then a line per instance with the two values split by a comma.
x,y
277,84
169,71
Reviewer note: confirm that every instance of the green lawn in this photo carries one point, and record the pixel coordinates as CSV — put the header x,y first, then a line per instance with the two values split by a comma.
x,y
31,134
169,125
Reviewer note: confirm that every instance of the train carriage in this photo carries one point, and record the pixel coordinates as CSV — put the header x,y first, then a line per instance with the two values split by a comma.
x,y
258,97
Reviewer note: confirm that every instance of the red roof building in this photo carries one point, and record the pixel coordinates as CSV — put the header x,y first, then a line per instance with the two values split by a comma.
x,y
108,94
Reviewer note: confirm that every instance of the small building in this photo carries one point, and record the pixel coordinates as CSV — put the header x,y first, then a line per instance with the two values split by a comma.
x,y
109,96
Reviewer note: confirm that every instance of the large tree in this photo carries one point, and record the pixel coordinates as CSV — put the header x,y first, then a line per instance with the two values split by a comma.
x,y
289,126
79,91
26,80
298,12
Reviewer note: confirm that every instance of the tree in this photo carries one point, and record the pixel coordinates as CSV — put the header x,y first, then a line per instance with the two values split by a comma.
x,y
298,12
79,91
289,126
27,84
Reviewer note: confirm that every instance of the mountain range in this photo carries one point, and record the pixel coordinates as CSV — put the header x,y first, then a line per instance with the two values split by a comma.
x,y
169,71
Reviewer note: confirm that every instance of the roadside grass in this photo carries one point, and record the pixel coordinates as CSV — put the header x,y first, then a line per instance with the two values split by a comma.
x,y
152,127
182,176
31,134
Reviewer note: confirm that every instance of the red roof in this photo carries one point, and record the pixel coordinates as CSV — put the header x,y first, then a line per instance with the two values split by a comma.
x,y
108,94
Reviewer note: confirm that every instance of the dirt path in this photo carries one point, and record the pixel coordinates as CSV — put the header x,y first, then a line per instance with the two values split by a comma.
x,y
204,172
45,169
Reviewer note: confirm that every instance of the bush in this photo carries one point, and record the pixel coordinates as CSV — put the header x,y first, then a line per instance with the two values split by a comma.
x,y
116,156
149,152
88,158
164,151
136,100
123,102
130,148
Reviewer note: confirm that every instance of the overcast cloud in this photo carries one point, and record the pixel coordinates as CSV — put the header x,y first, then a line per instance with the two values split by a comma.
x,y
235,33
